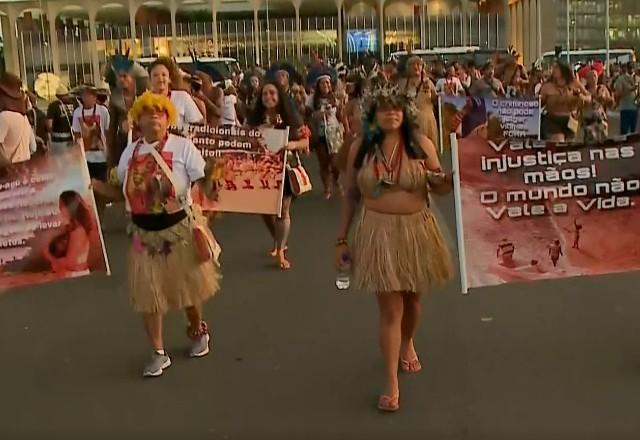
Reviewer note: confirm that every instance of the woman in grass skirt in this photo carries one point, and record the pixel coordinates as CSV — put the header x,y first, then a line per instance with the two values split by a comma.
x,y
156,174
398,249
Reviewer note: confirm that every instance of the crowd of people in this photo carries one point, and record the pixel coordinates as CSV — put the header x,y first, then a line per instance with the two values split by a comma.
x,y
373,128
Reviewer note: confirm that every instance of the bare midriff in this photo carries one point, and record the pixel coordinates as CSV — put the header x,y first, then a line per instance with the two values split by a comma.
x,y
397,202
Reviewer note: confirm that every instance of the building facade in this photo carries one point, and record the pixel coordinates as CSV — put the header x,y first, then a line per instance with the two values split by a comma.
x,y
541,25
74,40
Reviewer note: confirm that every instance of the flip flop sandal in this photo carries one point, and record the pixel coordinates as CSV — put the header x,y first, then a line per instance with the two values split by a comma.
x,y
413,366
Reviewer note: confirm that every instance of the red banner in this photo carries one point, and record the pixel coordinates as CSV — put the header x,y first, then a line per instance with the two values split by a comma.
x,y
49,228
530,210
248,165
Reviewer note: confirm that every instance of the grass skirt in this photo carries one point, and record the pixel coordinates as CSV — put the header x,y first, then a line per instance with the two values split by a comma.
x,y
165,273
400,253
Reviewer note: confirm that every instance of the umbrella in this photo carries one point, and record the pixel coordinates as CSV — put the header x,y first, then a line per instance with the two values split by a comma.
x,y
46,85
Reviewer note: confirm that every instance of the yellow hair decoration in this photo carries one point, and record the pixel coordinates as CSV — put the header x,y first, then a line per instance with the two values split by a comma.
x,y
149,100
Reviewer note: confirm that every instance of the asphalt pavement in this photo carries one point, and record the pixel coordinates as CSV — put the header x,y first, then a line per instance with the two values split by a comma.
x,y
295,359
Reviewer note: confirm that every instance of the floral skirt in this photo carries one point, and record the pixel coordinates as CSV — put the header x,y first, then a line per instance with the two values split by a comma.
x,y
165,273
400,253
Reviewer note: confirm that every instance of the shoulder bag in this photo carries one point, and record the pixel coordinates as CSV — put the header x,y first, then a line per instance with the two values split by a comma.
x,y
207,247
298,176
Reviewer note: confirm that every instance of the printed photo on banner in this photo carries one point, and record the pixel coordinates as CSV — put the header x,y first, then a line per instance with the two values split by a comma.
x,y
49,228
247,165
532,210
499,118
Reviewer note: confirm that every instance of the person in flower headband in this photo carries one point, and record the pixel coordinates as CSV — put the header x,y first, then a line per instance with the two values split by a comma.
x,y
154,177
327,130
397,250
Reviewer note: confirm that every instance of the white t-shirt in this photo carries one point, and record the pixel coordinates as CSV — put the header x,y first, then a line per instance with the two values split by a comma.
x,y
97,115
17,140
188,112
183,158
229,115
454,83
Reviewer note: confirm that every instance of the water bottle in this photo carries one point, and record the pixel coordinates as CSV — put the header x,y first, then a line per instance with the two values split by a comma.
x,y
343,277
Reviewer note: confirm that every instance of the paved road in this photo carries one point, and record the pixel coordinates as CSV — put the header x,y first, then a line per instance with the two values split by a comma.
x,y
295,359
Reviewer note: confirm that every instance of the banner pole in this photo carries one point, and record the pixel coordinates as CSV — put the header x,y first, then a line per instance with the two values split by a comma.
x,y
441,134
464,283
539,118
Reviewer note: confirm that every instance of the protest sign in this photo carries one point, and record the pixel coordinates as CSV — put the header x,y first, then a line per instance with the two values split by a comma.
x,y
49,227
530,210
501,118
248,165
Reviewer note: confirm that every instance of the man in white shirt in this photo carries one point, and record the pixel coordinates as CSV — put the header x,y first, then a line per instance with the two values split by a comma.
x,y
17,140
90,124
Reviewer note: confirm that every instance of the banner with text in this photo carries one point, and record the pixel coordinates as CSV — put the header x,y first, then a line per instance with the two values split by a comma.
x,y
248,166
49,227
532,210
496,119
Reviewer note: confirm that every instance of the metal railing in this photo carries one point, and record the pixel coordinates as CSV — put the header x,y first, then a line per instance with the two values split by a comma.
x,y
277,38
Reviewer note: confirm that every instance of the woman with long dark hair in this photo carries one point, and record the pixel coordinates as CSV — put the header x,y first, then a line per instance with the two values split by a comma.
x,y
398,249
561,97
327,131
69,251
274,110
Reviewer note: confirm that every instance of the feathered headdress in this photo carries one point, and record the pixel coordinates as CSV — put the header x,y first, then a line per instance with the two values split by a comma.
x,y
120,62
294,76
319,72
390,93
511,51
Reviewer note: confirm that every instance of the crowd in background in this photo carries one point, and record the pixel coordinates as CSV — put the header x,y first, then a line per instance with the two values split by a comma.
x,y
577,102
373,128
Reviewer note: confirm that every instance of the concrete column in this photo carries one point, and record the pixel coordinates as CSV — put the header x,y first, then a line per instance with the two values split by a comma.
x,y
533,31
340,6
296,5
513,40
519,27
52,13
508,28
256,30
10,38
464,11
381,30
526,50
95,62
423,25
215,5
133,10
173,8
